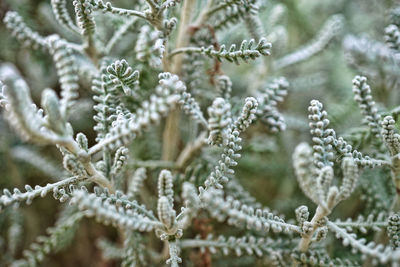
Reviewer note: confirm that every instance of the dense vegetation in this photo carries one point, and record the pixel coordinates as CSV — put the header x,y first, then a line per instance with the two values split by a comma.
x,y
153,132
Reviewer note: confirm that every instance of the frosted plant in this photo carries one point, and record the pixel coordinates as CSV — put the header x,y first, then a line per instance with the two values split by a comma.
x,y
152,40
219,121
191,103
269,99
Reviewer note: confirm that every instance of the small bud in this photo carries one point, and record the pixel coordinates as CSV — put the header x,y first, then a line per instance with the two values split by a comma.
x,y
82,141
165,212
302,215
51,105
165,186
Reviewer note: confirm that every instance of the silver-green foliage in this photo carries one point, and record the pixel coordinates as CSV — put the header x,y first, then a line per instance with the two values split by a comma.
x,y
139,93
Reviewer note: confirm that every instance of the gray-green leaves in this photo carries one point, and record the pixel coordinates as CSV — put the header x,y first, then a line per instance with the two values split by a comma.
x,y
219,121
268,99
363,96
245,52
67,71
84,16
51,105
122,75
22,113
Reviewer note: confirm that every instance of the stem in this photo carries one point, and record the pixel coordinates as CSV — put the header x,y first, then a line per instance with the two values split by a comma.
x,y
153,5
107,161
85,158
183,37
396,181
38,191
91,50
174,259
356,225
127,12
395,207
184,50
153,164
205,13
190,151
306,238
170,135
97,177
165,59
365,249
132,205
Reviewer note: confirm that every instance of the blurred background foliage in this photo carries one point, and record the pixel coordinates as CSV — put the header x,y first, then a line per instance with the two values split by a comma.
x,y
265,168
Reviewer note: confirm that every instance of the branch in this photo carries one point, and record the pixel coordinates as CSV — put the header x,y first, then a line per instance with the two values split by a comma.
x,y
126,129
249,244
107,213
9,198
119,199
240,215
245,51
174,258
382,253
363,224
191,151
